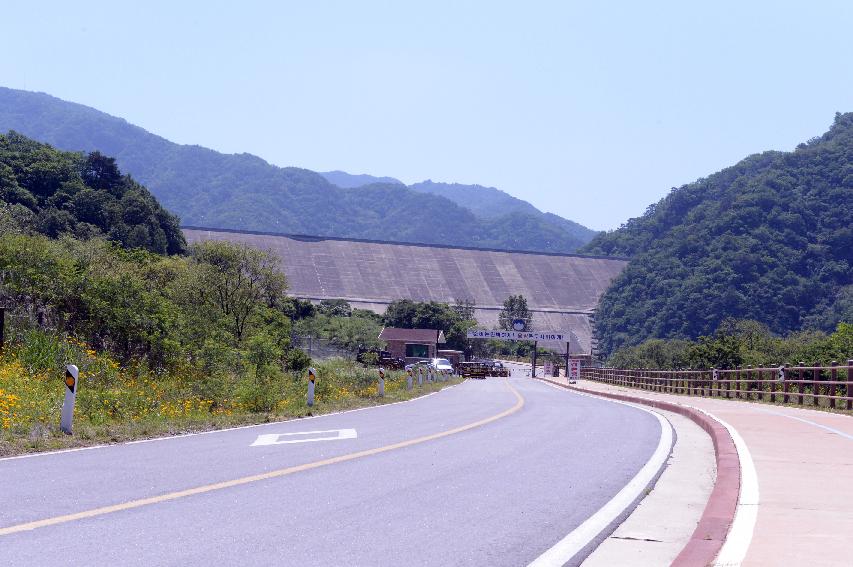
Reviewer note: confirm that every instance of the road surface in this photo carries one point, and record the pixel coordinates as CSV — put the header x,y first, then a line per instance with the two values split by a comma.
x,y
490,472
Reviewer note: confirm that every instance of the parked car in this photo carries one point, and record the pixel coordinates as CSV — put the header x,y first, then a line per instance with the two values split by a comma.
x,y
441,364
473,369
414,365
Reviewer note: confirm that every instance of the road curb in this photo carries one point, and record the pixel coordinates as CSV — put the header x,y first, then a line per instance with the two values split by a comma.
x,y
713,527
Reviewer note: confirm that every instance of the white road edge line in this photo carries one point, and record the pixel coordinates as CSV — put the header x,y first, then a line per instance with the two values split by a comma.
x,y
183,435
740,533
739,537
581,536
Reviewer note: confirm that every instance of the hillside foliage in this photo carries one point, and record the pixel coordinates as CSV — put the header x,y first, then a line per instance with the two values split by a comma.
x,y
768,240
53,193
739,343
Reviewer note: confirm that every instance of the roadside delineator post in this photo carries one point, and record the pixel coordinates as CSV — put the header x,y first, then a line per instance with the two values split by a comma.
x,y
312,377
2,327
381,382
71,376
420,375
409,379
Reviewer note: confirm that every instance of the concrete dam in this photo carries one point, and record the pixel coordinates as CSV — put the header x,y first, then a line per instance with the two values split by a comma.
x,y
562,290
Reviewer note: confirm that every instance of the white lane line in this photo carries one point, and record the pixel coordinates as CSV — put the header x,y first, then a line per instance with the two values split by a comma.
x,y
212,431
826,427
276,438
581,536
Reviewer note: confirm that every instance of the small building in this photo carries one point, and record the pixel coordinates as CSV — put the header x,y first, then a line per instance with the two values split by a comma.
x,y
412,344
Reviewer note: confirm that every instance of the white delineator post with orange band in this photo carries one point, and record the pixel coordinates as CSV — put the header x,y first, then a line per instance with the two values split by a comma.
x,y
381,382
312,377
409,379
71,376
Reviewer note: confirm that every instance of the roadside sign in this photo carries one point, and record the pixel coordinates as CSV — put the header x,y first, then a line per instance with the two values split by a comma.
x,y
556,336
574,369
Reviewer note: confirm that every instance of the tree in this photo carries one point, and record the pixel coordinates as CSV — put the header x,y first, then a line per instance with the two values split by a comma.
x,y
237,280
515,307
408,314
101,172
335,308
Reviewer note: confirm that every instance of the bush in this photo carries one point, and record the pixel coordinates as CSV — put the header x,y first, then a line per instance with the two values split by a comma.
x,y
296,360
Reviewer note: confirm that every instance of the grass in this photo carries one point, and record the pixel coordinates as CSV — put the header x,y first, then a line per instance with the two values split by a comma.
x,y
123,403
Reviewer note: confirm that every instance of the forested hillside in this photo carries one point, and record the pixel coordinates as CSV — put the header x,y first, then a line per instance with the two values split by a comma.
x,y
55,193
350,181
242,191
491,203
769,239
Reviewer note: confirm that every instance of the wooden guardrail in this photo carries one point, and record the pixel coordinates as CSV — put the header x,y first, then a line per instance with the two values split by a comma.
x,y
825,386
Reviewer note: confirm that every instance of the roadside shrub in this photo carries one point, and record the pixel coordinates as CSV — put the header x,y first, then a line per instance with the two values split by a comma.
x,y
297,360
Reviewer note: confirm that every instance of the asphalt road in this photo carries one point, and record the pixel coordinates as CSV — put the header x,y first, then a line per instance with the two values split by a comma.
x,y
499,493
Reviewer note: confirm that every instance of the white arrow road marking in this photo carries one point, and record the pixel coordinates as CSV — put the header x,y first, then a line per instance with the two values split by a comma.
x,y
276,438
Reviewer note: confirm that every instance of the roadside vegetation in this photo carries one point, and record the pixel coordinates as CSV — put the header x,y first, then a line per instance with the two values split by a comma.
x,y
120,402
168,338
739,343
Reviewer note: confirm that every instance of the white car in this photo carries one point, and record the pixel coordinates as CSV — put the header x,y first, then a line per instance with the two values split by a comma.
x,y
440,364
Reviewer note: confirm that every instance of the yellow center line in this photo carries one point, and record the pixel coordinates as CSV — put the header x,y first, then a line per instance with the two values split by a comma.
x,y
258,477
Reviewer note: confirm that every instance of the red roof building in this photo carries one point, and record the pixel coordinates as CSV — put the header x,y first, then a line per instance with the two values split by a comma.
x,y
412,344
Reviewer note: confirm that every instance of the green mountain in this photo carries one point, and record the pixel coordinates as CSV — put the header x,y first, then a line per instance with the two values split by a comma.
x,y
52,192
351,181
242,191
768,239
486,203
492,203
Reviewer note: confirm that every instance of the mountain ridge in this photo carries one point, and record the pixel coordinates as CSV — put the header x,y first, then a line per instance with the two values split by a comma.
x,y
767,239
205,187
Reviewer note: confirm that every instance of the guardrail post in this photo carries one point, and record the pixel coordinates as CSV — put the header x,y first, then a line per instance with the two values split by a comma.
x,y
833,389
849,384
816,384
749,382
786,398
715,379
800,386
738,376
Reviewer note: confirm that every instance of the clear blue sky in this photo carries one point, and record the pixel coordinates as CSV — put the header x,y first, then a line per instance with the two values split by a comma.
x,y
591,110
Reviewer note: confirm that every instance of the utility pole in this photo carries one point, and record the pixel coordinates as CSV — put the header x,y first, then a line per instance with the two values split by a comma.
x,y
533,369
